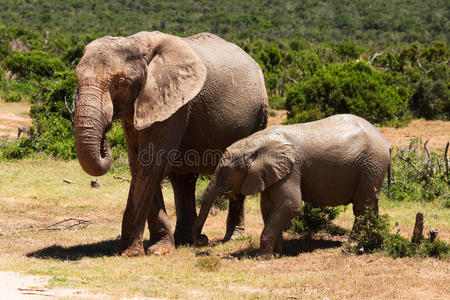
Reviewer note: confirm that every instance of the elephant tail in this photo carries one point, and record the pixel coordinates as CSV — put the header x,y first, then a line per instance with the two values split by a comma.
x,y
389,174
263,117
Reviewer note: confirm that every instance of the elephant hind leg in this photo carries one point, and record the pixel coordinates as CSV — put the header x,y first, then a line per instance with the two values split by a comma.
x,y
365,198
184,193
235,218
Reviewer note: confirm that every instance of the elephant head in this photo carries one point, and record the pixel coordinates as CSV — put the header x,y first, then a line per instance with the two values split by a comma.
x,y
144,78
247,167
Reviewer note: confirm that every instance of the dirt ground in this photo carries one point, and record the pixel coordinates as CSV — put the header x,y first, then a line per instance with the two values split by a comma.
x,y
11,116
18,286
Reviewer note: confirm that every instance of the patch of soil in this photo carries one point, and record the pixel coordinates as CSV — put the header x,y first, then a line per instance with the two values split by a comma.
x,y
18,286
13,115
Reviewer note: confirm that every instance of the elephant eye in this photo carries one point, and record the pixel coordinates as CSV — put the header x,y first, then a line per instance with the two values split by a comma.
x,y
122,82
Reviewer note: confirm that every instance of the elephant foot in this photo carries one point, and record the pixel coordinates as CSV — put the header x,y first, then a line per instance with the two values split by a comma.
x,y
201,241
132,249
161,247
233,235
183,238
264,255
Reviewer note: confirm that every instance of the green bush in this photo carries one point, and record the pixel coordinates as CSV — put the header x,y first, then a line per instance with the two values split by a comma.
x,y
34,64
437,248
313,218
397,246
370,232
354,87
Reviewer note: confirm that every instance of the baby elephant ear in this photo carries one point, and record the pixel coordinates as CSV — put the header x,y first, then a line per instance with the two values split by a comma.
x,y
271,163
175,75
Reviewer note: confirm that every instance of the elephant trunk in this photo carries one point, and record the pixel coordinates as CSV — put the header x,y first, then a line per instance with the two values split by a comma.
x,y
93,118
208,198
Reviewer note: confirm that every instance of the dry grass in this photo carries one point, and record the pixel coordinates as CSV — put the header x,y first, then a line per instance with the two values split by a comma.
x,y
33,196
437,132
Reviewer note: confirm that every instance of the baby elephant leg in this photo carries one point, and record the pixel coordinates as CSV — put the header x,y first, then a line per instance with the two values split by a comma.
x,y
235,219
279,204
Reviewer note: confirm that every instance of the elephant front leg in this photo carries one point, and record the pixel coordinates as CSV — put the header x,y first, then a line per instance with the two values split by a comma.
x,y
161,238
235,218
145,202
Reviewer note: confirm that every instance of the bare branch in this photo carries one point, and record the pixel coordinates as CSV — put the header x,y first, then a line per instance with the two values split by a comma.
x,y
408,160
420,66
71,110
376,55
426,149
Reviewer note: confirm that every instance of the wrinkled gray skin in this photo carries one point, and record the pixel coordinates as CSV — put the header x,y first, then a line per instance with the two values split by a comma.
x,y
335,161
199,93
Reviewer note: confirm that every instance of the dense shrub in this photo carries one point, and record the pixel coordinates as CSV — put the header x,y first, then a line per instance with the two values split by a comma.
x,y
355,88
371,232
34,64
313,218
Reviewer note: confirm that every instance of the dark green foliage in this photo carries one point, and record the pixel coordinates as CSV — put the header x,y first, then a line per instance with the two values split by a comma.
x,y
419,177
116,141
380,22
370,232
34,64
397,246
313,218
437,248
355,88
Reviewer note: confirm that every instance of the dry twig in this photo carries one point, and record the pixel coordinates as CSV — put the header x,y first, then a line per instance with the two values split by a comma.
x,y
64,226
121,178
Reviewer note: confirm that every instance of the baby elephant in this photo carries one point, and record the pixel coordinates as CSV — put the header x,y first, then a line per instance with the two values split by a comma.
x,y
335,161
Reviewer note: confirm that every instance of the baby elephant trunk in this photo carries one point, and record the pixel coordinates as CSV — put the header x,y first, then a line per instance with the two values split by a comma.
x,y
207,201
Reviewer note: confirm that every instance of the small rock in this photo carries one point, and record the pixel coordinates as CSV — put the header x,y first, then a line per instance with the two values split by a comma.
x,y
94,183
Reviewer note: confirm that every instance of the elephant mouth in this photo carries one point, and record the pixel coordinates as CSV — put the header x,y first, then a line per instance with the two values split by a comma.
x,y
104,142
103,147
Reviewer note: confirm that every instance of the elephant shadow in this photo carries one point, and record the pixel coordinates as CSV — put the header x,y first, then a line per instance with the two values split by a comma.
x,y
291,247
74,253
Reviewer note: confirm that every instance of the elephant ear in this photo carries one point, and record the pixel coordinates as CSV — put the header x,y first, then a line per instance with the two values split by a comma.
x,y
175,75
268,164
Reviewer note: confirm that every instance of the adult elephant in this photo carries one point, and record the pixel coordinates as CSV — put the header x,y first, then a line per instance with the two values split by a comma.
x,y
181,102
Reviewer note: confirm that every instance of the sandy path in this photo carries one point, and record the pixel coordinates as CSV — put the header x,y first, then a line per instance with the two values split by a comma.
x,y
15,286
